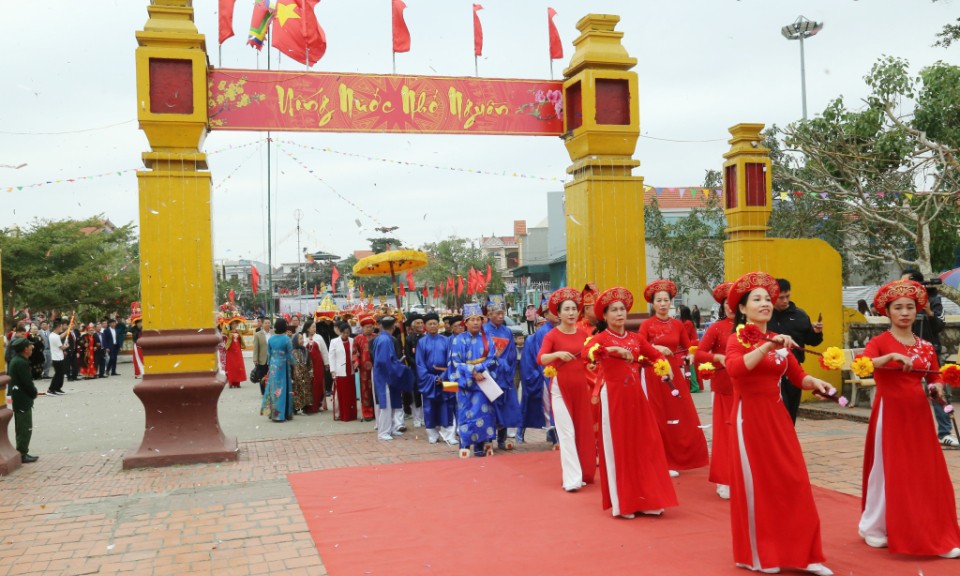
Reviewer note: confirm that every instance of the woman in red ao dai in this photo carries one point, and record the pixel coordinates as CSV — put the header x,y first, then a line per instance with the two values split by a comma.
x,y
570,391
770,529
633,468
677,418
713,349
908,502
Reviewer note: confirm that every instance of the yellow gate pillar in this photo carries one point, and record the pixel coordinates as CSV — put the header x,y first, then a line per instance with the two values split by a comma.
x,y
180,388
812,266
9,457
603,200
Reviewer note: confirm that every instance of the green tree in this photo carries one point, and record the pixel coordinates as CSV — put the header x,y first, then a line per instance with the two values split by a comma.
x,y
949,34
689,249
55,265
888,171
454,257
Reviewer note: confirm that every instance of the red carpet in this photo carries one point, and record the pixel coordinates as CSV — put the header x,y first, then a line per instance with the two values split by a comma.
x,y
507,515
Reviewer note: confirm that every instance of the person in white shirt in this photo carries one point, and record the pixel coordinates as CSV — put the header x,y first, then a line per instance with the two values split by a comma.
x,y
57,346
343,369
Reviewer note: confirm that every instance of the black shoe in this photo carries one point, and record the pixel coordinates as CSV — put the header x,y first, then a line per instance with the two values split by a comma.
x,y
114,374
27,459
102,376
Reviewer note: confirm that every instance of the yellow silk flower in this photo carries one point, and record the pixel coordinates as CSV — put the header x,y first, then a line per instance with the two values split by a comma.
x,y
693,350
661,367
862,366
549,371
832,358
592,350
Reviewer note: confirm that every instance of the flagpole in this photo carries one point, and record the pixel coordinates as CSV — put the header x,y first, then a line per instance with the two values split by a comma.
x,y
551,68
476,69
394,62
270,307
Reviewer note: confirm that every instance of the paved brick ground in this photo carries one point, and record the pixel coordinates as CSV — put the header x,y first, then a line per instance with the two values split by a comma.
x,y
79,514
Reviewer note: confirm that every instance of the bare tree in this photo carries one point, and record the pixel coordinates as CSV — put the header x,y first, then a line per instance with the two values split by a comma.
x,y
888,169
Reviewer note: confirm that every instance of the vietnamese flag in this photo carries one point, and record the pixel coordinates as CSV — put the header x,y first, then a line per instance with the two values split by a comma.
x,y
426,293
402,291
489,275
450,284
230,295
410,283
436,291
556,47
296,32
254,277
477,31
225,13
401,36
335,275
460,289
314,291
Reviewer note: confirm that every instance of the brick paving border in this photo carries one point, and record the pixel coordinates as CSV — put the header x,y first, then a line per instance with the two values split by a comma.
x,y
77,514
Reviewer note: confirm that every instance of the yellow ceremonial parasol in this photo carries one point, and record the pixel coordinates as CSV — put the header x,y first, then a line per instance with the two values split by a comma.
x,y
388,264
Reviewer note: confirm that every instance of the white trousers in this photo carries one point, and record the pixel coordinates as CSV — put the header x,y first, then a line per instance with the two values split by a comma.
x,y
569,459
387,419
748,492
873,521
608,456
446,432
417,415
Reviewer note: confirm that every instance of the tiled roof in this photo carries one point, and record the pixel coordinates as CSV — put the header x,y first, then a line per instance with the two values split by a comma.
x,y
670,197
360,254
508,240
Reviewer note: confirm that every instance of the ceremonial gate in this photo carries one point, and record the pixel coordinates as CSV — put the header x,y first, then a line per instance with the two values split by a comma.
x,y
595,110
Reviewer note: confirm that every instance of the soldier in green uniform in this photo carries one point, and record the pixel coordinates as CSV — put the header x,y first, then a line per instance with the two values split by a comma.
x,y
23,392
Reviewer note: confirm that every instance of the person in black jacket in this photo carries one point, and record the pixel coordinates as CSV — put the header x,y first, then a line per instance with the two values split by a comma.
x,y
413,401
792,321
23,392
928,325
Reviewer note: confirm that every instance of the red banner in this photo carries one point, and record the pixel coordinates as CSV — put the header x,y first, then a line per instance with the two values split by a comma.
x,y
330,102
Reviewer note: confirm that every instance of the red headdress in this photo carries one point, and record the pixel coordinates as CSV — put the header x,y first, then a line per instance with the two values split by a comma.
x,y
615,294
561,296
749,282
229,313
589,294
367,319
135,312
659,286
900,289
721,291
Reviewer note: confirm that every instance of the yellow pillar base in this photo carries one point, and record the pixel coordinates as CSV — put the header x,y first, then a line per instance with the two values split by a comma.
x,y
605,232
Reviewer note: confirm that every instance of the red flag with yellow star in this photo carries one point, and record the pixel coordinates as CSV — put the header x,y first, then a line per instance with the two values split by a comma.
x,y
296,32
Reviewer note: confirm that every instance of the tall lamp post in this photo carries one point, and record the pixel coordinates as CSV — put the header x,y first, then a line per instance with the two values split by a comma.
x,y
799,30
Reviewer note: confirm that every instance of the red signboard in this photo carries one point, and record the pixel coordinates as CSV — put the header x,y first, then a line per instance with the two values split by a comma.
x,y
330,102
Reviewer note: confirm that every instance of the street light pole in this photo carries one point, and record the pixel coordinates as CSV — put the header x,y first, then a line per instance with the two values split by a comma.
x,y
803,79
298,215
801,29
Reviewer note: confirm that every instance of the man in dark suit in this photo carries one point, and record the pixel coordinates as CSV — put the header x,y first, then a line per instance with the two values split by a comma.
x,y
111,347
103,352
70,354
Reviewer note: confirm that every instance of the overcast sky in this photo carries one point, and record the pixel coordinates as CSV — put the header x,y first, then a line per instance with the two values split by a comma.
x,y
704,65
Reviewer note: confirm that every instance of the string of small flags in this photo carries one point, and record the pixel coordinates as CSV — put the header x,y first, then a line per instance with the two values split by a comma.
x,y
417,164
682,191
334,190
240,165
115,172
